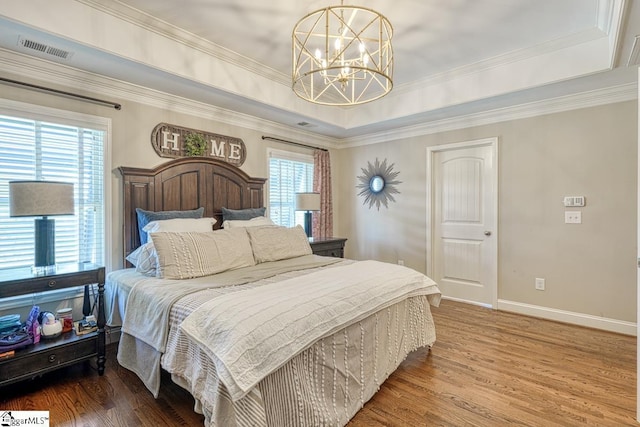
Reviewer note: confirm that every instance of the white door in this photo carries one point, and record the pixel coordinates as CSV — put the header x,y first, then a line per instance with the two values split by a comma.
x,y
463,220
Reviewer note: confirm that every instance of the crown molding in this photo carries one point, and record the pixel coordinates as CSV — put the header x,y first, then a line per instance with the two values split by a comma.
x,y
609,14
606,14
607,25
634,55
503,59
152,24
594,98
29,67
94,84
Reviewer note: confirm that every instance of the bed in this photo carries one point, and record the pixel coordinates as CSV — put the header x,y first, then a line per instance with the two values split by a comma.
x,y
282,336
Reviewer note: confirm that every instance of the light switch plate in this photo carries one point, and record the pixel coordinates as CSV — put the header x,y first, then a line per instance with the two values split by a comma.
x,y
574,201
573,217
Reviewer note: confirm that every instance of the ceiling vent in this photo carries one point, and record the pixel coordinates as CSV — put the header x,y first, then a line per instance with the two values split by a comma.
x,y
33,45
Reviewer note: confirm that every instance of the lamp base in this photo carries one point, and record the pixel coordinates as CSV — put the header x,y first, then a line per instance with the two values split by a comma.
x,y
45,254
86,304
308,227
44,270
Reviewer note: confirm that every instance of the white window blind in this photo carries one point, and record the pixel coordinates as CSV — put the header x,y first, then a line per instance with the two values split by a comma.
x,y
41,150
289,174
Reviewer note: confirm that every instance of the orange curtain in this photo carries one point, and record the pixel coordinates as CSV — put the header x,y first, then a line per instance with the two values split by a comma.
x,y
323,220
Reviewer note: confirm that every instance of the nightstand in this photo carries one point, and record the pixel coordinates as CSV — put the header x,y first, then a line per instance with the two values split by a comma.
x,y
68,348
328,246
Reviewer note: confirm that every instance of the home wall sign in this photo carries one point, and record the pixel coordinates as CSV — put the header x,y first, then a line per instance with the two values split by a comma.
x,y
176,141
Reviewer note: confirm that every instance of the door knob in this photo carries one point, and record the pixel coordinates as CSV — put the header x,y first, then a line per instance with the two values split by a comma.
x,y
487,233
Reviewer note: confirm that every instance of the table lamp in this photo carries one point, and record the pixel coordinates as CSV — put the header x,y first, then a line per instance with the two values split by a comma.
x,y
42,199
308,202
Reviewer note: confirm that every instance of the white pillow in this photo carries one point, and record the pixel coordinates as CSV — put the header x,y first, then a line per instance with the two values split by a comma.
x,y
144,259
276,243
178,225
188,255
258,221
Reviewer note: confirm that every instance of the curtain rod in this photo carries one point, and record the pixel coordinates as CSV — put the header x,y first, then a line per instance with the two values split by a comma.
x,y
270,138
63,93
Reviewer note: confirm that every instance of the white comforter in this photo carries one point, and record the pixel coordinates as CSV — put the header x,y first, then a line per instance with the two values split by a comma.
x,y
146,322
252,333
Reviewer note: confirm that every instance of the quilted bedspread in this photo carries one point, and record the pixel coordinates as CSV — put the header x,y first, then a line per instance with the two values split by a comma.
x,y
252,333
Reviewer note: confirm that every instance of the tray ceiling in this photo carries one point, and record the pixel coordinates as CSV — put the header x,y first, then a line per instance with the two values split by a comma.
x,y
451,58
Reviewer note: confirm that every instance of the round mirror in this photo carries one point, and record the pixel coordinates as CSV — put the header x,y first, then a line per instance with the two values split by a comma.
x,y
376,184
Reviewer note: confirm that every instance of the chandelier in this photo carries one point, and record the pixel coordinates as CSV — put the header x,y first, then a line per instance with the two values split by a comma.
x,y
342,55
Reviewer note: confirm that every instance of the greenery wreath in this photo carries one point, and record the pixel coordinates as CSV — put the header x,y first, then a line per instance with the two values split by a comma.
x,y
195,144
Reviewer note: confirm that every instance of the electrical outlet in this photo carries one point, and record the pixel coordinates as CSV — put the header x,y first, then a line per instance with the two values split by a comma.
x,y
539,284
400,262
572,217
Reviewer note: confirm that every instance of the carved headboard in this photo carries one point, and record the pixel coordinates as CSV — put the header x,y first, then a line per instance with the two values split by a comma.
x,y
184,184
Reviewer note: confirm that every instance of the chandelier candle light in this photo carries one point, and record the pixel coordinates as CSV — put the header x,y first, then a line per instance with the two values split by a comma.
x,y
342,55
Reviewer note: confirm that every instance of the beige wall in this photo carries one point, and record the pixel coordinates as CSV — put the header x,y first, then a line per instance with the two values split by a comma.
x,y
589,268
131,142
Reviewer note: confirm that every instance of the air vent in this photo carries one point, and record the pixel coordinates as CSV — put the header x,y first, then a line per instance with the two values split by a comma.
x,y
30,44
33,45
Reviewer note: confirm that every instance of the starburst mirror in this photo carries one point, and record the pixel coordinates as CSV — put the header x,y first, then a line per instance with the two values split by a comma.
x,y
378,183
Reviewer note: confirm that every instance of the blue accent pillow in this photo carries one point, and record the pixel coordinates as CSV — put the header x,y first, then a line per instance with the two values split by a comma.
x,y
145,217
242,214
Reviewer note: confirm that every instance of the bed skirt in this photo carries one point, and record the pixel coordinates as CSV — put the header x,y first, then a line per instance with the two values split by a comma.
x,y
324,385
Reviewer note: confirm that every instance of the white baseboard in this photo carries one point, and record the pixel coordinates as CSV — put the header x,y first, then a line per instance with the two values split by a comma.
x,y
580,319
467,301
612,325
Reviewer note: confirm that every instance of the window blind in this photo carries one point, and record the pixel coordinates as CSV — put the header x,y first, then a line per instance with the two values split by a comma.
x,y
288,174
40,150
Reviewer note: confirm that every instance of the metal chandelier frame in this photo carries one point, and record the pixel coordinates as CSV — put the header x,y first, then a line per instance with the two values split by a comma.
x,y
342,55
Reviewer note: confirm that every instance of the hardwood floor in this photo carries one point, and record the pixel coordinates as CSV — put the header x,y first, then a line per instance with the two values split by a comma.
x,y
487,368
491,368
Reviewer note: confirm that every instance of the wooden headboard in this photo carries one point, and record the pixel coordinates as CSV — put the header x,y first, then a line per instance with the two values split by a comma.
x,y
184,184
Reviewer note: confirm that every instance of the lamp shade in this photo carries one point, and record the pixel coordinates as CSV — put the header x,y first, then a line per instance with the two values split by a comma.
x,y
40,198
307,201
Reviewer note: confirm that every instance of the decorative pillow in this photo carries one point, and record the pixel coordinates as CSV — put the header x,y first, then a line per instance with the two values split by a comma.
x,y
144,259
242,214
258,221
188,255
181,225
276,243
145,217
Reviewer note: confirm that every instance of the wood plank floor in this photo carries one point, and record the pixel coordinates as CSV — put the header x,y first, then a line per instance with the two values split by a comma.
x,y
487,368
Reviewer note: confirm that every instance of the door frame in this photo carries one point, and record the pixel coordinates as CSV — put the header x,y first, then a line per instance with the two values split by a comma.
x,y
638,274
431,152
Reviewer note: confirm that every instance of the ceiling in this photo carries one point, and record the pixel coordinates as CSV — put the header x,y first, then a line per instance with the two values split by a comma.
x,y
451,58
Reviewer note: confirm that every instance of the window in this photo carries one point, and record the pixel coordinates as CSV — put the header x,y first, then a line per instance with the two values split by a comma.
x,y
53,149
289,173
